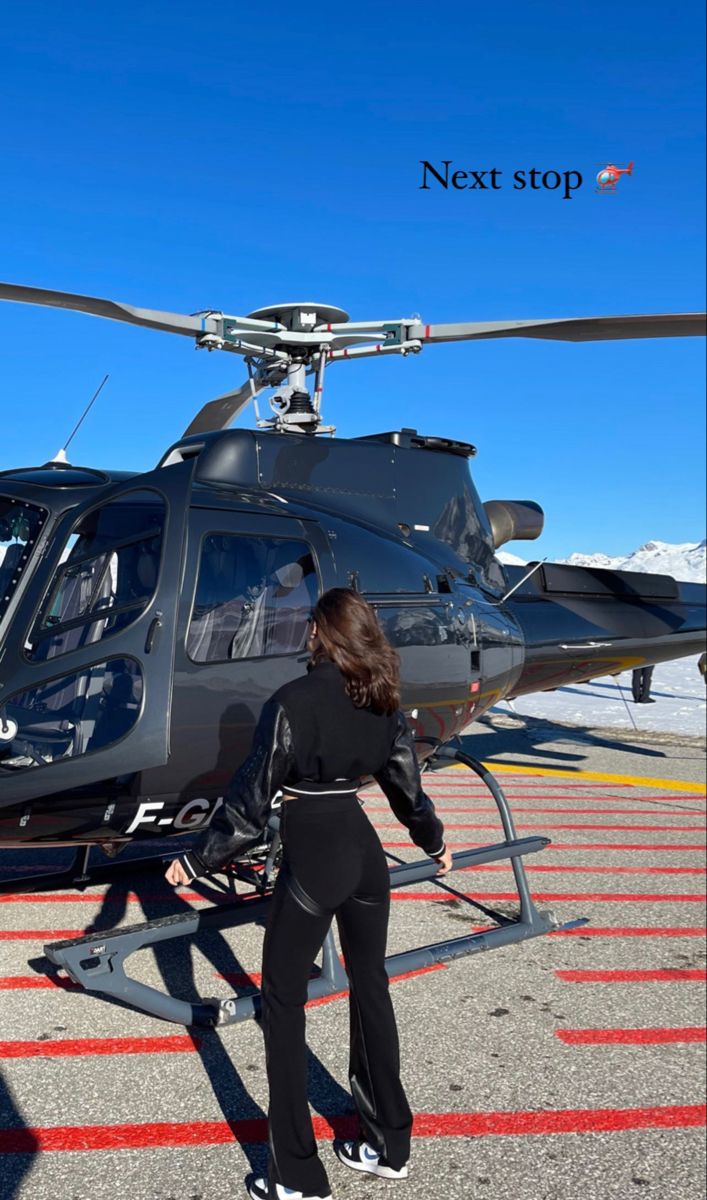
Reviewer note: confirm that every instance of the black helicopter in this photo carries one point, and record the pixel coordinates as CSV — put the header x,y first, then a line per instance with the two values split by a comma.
x,y
145,618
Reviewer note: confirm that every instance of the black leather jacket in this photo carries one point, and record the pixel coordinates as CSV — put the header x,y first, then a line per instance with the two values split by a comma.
x,y
311,737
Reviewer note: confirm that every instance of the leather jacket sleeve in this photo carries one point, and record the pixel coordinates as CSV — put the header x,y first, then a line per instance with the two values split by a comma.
x,y
238,823
401,782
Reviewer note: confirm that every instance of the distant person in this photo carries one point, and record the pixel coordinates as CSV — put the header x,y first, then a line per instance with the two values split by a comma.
x,y
702,665
641,685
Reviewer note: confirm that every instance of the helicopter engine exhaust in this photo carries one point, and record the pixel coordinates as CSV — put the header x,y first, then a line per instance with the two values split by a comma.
x,y
514,520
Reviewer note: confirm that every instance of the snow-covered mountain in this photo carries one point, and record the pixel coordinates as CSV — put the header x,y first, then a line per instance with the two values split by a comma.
x,y
683,560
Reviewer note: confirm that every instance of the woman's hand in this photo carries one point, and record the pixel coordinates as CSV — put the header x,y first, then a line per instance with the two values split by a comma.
x,y
445,862
175,874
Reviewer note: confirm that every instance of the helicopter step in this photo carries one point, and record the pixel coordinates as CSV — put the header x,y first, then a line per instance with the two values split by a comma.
x,y
97,961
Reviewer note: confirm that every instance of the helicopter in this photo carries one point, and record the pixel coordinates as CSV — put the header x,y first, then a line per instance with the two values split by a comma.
x,y
609,176
146,617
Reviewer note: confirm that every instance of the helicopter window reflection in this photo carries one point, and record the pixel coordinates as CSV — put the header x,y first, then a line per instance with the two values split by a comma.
x,y
70,716
109,565
253,598
20,524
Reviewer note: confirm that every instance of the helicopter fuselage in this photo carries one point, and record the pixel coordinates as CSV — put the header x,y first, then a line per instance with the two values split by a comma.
x,y
145,619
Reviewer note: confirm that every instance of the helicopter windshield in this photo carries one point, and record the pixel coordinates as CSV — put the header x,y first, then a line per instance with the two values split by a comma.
x,y
106,577
20,524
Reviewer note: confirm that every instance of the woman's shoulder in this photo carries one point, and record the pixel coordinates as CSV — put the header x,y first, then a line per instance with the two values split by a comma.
x,y
320,678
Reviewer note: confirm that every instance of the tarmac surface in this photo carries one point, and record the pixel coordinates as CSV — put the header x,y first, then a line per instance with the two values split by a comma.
x,y
570,1067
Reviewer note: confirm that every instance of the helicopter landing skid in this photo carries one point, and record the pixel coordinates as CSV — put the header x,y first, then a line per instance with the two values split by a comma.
x,y
97,961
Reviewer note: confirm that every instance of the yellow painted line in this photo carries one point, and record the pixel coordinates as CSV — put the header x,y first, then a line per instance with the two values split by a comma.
x,y
678,785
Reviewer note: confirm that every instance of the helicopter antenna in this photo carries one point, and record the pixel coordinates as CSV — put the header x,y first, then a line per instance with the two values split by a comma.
x,y
60,456
520,582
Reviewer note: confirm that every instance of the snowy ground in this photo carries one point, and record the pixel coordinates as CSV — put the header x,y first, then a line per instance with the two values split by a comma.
x,y
677,688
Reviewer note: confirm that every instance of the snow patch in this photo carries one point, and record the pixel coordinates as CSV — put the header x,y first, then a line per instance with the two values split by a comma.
x,y
606,703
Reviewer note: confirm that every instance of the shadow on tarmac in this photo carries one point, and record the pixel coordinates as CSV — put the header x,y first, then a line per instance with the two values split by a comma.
x,y
18,1144
511,739
175,964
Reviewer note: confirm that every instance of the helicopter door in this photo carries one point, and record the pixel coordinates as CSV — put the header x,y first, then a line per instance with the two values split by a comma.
x,y
88,680
252,581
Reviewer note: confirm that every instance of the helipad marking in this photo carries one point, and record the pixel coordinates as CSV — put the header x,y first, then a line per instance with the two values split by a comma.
x,y
426,1125
680,785
82,1047
665,975
444,810
631,1037
11,983
633,931
587,897
593,870
620,828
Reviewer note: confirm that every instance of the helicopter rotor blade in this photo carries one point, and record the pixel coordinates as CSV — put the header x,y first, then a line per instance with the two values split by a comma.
x,y
219,413
568,329
112,309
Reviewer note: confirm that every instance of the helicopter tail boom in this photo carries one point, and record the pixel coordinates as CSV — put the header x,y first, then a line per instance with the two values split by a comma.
x,y
580,623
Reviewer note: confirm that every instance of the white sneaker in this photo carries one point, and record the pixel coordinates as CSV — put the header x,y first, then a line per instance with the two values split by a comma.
x,y
258,1190
362,1157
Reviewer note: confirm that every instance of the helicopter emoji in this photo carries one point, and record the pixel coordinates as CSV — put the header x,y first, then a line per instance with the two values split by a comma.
x,y
608,177
145,618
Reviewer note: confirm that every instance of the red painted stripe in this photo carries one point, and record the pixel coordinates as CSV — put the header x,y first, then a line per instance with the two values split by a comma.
x,y
552,797
164,897
564,791
665,975
81,1047
441,810
633,931
611,846
589,897
538,827
39,935
97,897
562,846
427,1125
630,1037
9,983
563,869
456,783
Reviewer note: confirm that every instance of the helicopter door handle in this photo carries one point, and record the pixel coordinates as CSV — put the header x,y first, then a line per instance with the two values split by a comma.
x,y
155,625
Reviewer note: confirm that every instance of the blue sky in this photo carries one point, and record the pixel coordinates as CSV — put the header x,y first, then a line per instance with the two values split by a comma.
x,y
227,157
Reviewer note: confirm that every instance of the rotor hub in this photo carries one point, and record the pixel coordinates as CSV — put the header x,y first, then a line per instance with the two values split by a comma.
x,y
301,318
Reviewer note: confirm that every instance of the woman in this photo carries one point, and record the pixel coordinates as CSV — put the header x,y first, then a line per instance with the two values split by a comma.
x,y
316,738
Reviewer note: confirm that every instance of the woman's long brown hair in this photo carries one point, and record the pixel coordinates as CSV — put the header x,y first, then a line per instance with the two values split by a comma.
x,y
350,635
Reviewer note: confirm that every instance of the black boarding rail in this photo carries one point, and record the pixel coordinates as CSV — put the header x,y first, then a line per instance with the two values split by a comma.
x,y
97,962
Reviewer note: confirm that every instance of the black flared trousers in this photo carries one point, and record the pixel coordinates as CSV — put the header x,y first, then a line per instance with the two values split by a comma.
x,y
333,866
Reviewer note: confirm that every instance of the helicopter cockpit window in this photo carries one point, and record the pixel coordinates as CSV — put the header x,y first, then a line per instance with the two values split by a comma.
x,y
106,577
20,524
253,598
70,716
